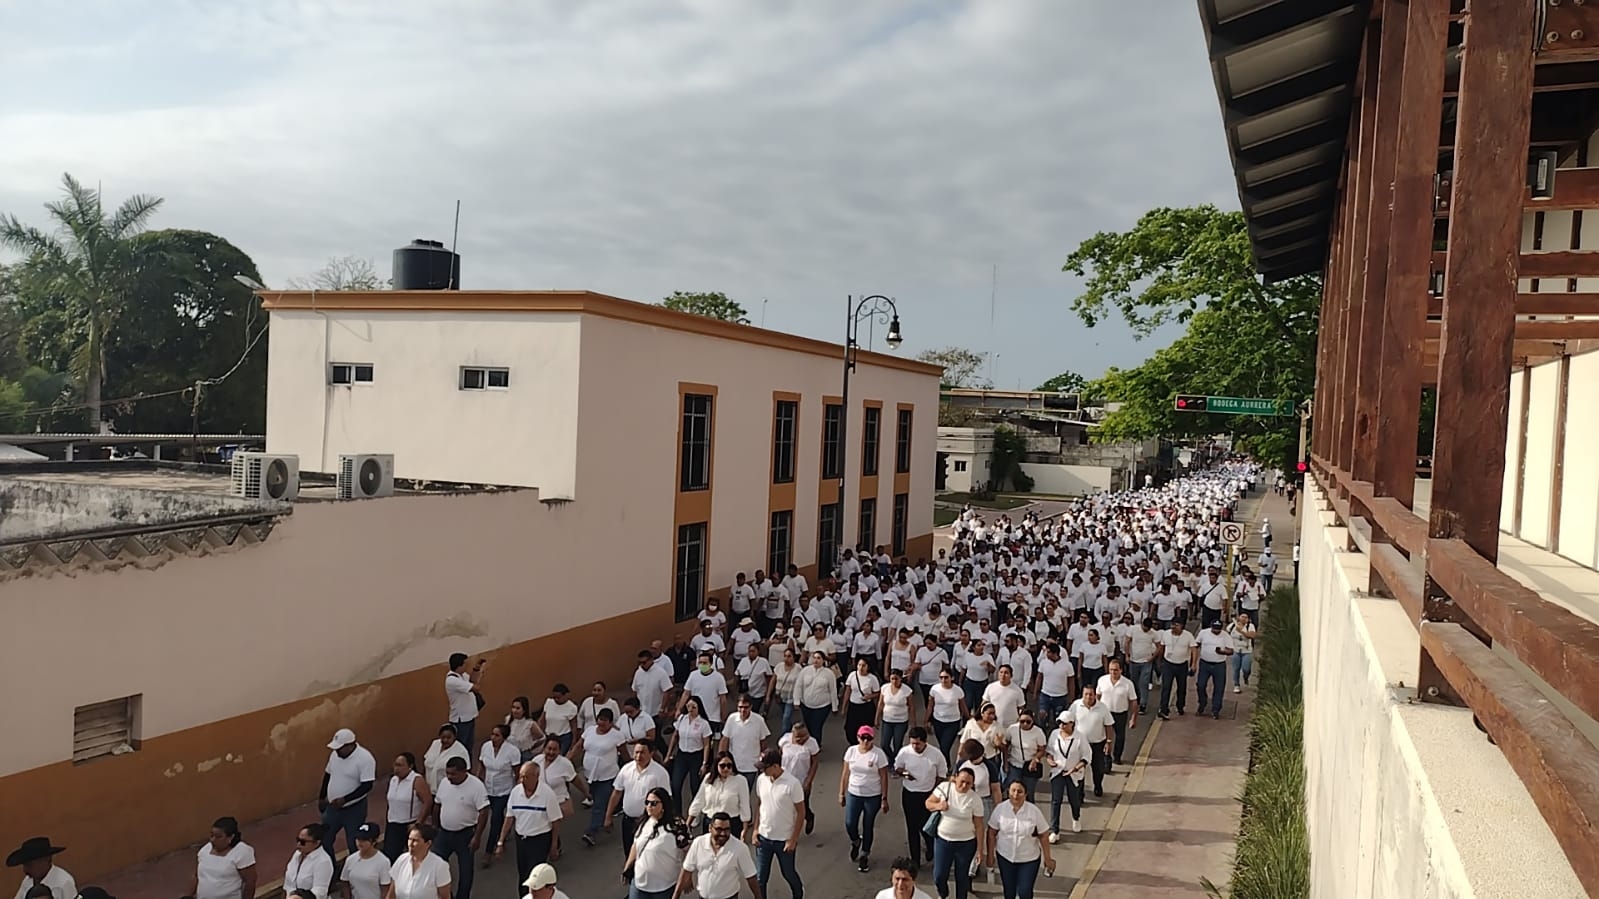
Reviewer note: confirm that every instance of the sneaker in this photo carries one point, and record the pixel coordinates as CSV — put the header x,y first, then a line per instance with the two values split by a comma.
x,y
1216,715
865,865
588,803
1164,716
1077,826
854,850
1054,837
1238,689
588,840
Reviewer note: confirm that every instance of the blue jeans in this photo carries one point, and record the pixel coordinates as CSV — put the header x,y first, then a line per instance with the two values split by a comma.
x,y
974,693
949,855
1243,663
893,737
1139,673
1211,674
946,732
1018,879
860,819
601,791
765,850
633,892
815,720
788,717
346,819
457,844
1064,787
465,731
1051,707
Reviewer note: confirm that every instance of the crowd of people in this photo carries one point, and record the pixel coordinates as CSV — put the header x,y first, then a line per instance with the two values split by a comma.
x,y
998,679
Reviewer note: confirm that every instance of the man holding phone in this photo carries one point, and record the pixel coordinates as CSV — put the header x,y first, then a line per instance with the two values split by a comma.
x,y
463,691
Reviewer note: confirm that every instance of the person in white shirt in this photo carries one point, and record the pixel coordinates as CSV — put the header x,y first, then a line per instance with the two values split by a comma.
x,y
1179,658
598,747
655,860
651,684
634,783
346,784
420,873
744,737
540,884
1055,673
1024,752
36,858
446,747
724,792
533,816
497,766
741,599
1138,647
1243,635
1214,647
1007,697
597,699
780,815
893,712
225,868
902,883
962,837
463,804
863,792
633,723
463,691
1016,842
1096,725
920,769
816,694
1267,564
558,716
707,685
1249,594
718,865
1069,758
365,873
310,867
1119,695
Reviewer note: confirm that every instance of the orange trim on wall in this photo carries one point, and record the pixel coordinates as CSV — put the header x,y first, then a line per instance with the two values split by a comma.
x,y
579,301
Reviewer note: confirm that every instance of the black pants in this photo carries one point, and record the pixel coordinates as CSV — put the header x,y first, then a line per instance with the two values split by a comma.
x,y
1118,724
1099,764
1209,616
1173,678
915,807
457,844
394,836
531,852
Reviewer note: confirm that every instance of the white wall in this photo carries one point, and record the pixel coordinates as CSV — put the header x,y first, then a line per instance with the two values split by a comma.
x,y
1405,800
1579,507
1507,499
1540,462
525,436
1068,480
978,470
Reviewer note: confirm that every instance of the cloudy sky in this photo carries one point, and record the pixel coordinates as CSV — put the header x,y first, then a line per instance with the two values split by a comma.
x,y
787,152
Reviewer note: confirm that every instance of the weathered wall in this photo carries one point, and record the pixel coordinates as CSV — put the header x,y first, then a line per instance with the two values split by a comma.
x,y
1405,800
34,509
1069,480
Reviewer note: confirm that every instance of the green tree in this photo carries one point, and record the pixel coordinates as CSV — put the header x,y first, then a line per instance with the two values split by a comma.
x,y
962,367
711,305
1065,382
1244,338
89,263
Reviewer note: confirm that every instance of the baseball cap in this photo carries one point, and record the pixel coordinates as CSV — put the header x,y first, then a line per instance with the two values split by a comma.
x,y
746,620
866,731
1064,717
543,876
342,738
367,831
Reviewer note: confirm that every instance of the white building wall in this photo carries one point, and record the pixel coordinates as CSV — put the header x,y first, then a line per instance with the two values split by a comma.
x,y
1539,476
1579,506
525,436
1068,480
1507,499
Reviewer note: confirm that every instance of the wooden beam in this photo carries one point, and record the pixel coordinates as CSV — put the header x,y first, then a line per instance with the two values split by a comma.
x,y
1539,304
1552,264
1575,188
1552,331
1551,76
1570,33
1360,184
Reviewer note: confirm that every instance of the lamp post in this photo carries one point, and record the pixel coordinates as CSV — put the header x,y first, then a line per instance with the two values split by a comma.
x,y
869,308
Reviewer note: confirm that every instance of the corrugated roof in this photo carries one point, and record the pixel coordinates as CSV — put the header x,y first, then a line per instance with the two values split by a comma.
x,y
1285,73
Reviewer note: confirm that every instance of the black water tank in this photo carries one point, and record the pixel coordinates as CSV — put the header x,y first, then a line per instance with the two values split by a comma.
x,y
426,265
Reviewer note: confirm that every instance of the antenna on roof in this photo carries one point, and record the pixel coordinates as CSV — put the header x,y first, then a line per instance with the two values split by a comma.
x,y
455,236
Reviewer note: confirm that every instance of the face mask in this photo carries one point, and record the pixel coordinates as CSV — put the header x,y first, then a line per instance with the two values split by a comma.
x,y
705,669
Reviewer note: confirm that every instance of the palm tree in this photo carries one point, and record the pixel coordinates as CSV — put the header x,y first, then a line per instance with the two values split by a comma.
x,y
90,261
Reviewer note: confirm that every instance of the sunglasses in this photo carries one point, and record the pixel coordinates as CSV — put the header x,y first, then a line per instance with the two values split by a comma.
x,y
652,803
304,842
724,764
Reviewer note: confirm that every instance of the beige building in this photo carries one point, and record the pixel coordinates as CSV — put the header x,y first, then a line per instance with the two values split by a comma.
x,y
574,475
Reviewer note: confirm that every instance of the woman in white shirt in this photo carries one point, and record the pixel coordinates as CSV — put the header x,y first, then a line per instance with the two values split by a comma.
x,y
1016,843
894,712
419,874
496,766
558,716
785,677
863,792
226,865
961,834
816,694
439,754
685,754
656,859
946,710
560,775
861,689
311,867
408,796
984,727
723,790
365,874
525,734
1243,660
1069,758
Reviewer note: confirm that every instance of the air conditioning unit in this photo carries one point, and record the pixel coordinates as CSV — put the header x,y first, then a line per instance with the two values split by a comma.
x,y
266,476
365,475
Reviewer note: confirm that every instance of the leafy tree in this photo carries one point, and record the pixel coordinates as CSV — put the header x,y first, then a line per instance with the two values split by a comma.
x,y
1245,337
711,305
88,263
962,367
342,273
13,407
1065,382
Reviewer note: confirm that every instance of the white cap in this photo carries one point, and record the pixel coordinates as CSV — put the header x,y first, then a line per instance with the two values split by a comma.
x,y
1066,716
543,876
342,738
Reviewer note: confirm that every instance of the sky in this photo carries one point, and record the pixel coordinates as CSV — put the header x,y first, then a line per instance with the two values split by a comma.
x,y
786,152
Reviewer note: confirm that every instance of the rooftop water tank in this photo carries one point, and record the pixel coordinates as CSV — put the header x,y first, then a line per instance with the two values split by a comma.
x,y
426,265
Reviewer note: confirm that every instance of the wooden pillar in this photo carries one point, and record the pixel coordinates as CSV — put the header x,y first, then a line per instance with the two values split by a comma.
x,y
1372,366
1557,484
1475,355
1355,290
1410,250
1519,494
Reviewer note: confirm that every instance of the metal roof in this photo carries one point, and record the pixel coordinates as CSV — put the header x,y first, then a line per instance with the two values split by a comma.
x,y
1285,74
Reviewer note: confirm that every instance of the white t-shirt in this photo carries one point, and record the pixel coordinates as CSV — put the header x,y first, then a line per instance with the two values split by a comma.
x,y
556,775
798,757
709,690
346,774
1008,701
1093,654
1178,647
434,760
460,803
756,673
958,823
589,711
658,861
533,814
863,767
896,704
921,771
946,703
650,686
862,685
418,880
558,716
217,875
744,736
1055,676
778,798
1141,644
458,690
1092,720
366,876
1024,743
719,872
1118,696
1211,645
599,753
309,871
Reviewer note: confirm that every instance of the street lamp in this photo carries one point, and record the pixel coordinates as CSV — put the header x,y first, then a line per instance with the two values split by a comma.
x,y
250,282
869,308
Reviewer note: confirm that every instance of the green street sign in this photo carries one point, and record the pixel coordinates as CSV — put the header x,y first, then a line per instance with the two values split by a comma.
x,y
1236,405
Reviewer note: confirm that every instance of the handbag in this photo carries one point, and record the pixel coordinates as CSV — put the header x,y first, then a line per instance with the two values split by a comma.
x,y
933,820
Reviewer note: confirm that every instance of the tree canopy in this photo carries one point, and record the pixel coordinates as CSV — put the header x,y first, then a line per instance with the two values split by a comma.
x,y
711,305
1065,382
962,367
1245,338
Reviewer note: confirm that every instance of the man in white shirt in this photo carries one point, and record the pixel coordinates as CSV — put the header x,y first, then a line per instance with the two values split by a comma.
x,y
533,814
1179,658
741,600
920,768
346,783
1118,694
754,673
902,885
541,884
1214,647
716,865
1213,595
744,735
1138,646
743,637
463,804
1007,698
707,685
779,818
794,585
36,858
462,691
633,784
1055,672
1267,563
651,684
1096,725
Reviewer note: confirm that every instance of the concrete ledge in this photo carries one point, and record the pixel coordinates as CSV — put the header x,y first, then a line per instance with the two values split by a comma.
x,y
1406,800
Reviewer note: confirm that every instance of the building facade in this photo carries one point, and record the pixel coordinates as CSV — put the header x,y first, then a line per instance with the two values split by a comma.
x,y
577,474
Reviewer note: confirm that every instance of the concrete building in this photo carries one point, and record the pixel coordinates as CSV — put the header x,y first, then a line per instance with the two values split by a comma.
x,y
967,455
575,474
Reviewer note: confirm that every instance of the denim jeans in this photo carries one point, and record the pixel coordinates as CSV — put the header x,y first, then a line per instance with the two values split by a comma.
x,y
893,737
974,692
1243,663
346,819
1139,673
457,844
947,856
686,772
789,711
633,892
1212,683
1018,879
765,851
946,732
1018,774
1064,787
1051,707
601,791
860,819
815,720
1173,679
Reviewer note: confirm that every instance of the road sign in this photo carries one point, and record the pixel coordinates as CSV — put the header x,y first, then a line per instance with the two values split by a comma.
x,y
1237,405
1232,533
